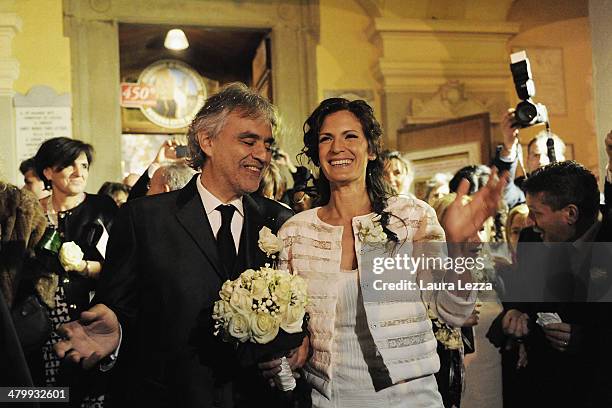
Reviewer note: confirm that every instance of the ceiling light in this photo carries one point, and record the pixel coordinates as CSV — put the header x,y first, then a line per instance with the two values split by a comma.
x,y
176,40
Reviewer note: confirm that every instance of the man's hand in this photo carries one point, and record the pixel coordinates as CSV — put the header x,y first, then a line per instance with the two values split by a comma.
x,y
94,336
296,359
509,133
515,322
558,335
461,222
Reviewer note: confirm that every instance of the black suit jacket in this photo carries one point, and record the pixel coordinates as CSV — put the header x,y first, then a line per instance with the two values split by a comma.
x,y
580,375
162,276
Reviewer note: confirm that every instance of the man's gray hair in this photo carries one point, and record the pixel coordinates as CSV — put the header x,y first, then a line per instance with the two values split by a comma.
x,y
234,97
176,175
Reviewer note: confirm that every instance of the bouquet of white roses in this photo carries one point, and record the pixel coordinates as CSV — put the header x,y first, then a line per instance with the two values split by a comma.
x,y
265,307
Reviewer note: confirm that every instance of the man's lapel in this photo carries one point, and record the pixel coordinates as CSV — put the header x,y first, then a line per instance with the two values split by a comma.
x,y
192,216
249,254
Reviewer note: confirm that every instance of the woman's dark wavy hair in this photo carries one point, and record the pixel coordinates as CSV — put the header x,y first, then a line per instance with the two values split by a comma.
x,y
59,153
378,190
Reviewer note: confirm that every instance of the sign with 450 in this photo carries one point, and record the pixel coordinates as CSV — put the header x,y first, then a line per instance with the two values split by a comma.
x,y
136,95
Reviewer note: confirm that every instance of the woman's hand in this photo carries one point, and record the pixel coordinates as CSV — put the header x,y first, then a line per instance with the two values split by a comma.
x,y
463,221
472,320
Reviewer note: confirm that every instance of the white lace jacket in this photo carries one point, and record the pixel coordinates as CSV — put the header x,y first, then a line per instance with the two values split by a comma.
x,y
401,330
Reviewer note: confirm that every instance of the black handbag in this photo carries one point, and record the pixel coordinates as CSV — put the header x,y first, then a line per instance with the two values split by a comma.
x,y
32,323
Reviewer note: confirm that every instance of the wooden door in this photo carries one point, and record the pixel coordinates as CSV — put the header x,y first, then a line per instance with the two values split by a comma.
x,y
262,69
445,147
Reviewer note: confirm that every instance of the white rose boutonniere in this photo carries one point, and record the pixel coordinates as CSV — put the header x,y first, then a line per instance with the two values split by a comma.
x,y
71,257
269,243
371,231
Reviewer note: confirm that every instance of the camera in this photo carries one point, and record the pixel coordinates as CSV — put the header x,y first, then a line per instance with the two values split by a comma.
x,y
528,112
181,151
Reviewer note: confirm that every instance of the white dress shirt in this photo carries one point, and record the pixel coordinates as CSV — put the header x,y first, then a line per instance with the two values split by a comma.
x,y
210,203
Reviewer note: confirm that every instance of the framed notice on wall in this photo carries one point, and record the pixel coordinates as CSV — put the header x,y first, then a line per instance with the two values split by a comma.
x,y
40,115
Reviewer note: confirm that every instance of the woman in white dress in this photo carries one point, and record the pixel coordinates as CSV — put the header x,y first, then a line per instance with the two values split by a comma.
x,y
369,354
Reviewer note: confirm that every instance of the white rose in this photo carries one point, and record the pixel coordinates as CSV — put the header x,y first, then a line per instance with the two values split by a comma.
x,y
71,257
239,327
299,289
247,276
268,242
226,290
292,319
263,327
222,310
283,291
241,300
259,289
299,284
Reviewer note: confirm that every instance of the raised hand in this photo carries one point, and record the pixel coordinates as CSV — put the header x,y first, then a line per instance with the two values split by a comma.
x,y
94,336
509,133
460,221
167,152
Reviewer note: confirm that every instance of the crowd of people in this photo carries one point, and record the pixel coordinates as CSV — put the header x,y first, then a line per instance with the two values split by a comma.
x,y
127,320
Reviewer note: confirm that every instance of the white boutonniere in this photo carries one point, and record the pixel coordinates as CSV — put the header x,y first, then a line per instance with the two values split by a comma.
x,y
269,243
71,257
371,231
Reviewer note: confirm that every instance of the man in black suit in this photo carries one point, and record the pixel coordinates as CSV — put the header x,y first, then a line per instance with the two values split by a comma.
x,y
569,274
168,257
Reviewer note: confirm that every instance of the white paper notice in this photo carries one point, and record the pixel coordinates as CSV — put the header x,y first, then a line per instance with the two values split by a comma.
x,y
34,125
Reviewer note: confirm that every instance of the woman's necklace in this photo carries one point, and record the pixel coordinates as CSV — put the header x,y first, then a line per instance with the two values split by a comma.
x,y
52,213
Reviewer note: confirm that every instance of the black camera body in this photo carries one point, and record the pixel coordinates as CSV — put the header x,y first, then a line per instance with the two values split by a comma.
x,y
527,112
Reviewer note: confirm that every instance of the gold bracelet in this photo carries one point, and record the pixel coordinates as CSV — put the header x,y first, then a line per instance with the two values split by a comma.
x,y
86,270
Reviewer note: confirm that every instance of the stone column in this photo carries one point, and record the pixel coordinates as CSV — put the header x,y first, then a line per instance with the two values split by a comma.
x,y
10,24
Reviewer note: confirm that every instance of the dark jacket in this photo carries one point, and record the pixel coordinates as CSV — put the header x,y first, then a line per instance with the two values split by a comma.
x,y
162,277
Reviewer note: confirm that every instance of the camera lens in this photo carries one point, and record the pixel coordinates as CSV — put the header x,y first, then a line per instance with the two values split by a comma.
x,y
526,112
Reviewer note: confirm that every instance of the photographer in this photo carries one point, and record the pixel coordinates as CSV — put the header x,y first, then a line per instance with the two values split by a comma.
x,y
509,155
